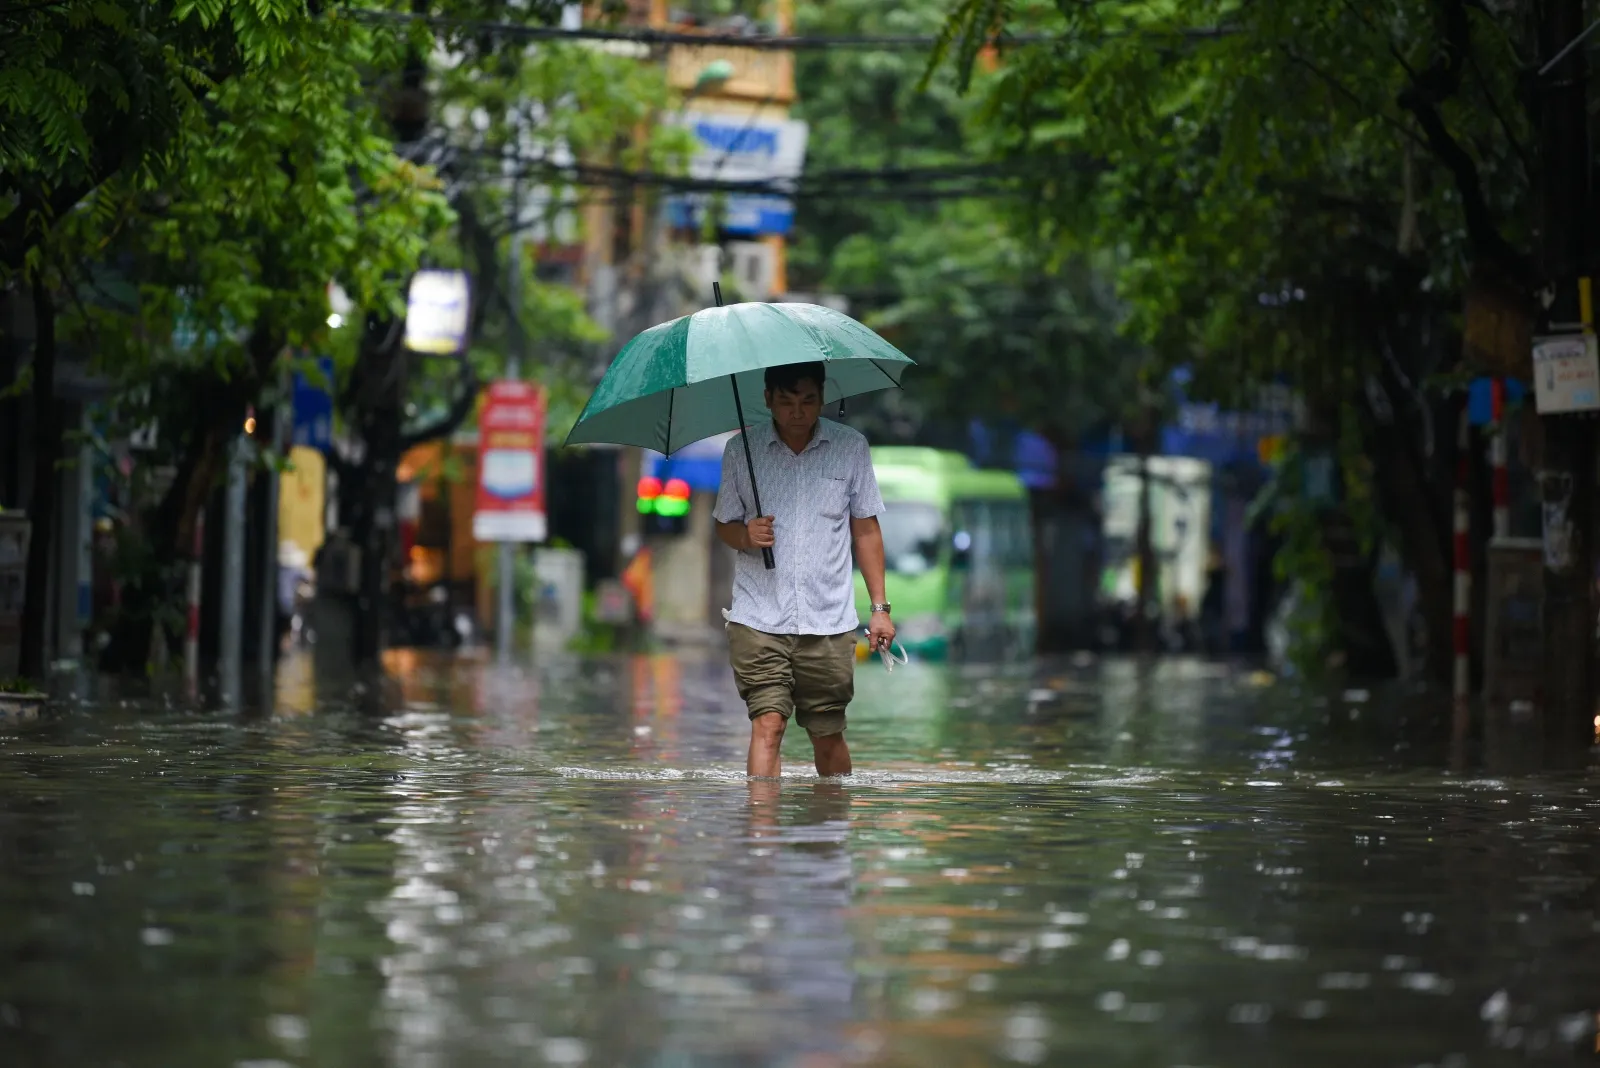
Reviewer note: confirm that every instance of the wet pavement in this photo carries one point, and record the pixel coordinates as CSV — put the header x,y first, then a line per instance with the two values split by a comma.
x,y
563,864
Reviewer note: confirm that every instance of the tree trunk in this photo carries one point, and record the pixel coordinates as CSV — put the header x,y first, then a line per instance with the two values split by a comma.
x,y
368,498
10,428
1408,495
218,405
34,652
1567,475
1145,549
1144,627
1362,636
170,528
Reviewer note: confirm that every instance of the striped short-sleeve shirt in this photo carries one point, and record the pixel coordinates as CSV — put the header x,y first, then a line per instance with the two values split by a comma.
x,y
812,495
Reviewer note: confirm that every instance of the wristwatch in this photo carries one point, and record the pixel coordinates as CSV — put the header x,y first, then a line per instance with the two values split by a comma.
x,y
884,608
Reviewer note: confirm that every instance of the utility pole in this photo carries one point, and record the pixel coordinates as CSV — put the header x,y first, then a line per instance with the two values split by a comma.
x,y
514,341
233,562
1567,475
282,415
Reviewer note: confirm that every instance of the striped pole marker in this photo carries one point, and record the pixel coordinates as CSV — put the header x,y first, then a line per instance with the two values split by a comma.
x,y
191,639
1462,526
1501,479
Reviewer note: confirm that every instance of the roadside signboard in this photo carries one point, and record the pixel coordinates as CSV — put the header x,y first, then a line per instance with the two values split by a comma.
x,y
436,312
312,401
1566,373
511,502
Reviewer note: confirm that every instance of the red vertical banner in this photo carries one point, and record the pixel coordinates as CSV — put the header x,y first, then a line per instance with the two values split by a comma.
x,y
511,503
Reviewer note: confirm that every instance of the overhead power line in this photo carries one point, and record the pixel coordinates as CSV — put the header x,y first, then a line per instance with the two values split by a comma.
x,y
845,176
846,181
761,42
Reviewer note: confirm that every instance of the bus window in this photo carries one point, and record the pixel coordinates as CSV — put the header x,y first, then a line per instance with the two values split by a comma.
x,y
1016,546
964,535
913,533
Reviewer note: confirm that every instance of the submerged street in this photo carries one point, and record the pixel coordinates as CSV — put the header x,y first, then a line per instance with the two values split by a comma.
x,y
564,864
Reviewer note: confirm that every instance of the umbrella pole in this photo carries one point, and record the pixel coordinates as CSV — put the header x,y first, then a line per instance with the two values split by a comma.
x,y
744,438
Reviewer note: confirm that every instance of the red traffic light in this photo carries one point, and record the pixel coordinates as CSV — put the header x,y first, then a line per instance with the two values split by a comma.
x,y
649,488
677,489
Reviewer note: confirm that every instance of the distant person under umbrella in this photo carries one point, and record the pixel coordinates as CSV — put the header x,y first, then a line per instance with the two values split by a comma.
x,y
792,629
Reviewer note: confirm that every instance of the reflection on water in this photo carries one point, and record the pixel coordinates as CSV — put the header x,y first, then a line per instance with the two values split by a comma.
x,y
563,864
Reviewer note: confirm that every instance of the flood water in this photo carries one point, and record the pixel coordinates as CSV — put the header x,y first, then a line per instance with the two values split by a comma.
x,y
563,864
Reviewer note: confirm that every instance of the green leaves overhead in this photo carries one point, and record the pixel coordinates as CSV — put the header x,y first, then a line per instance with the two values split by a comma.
x,y
1004,326
1255,162
279,180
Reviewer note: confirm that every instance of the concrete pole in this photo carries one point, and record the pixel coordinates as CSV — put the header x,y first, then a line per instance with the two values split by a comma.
x,y
1567,469
282,418
191,638
232,630
508,561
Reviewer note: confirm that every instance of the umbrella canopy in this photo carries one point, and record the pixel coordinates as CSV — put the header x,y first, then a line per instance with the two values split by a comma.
x,y
671,385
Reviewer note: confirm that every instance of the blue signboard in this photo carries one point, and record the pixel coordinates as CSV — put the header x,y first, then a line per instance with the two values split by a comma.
x,y
1480,399
699,464
740,214
767,153
313,407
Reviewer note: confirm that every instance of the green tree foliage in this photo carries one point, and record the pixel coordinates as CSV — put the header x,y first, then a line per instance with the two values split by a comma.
x,y
231,158
1001,327
1267,167
512,120
277,180
90,89
1298,191
997,334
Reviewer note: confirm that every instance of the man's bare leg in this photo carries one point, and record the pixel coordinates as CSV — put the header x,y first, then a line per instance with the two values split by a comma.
x,y
766,746
764,795
833,756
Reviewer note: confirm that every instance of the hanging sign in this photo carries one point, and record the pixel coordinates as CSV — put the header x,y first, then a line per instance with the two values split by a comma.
x,y
436,312
1566,374
511,501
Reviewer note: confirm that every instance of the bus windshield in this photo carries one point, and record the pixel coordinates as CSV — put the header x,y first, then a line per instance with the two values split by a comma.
x,y
913,533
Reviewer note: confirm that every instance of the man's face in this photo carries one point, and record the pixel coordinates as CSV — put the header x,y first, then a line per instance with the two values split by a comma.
x,y
796,412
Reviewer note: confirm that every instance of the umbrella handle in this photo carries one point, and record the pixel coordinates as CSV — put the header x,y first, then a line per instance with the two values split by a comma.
x,y
744,437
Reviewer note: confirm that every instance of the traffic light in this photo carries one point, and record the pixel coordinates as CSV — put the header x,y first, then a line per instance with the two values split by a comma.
x,y
649,491
665,507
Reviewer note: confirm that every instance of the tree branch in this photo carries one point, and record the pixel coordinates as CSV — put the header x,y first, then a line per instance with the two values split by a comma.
x,y
466,400
1423,97
1343,90
18,234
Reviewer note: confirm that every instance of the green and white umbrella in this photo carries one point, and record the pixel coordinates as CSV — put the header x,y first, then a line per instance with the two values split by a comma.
x,y
703,374
674,383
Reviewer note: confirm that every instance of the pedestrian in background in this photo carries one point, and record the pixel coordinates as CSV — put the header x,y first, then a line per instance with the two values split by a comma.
x,y
792,629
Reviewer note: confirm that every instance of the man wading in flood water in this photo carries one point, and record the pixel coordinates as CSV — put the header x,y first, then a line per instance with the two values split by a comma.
x,y
792,630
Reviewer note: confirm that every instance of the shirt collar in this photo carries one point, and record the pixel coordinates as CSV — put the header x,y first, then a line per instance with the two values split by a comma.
x,y
823,432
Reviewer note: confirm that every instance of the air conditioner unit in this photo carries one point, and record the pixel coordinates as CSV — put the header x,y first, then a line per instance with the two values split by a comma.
x,y
754,267
703,266
837,301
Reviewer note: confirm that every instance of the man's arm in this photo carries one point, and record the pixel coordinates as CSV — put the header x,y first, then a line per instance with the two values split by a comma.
x,y
735,528
867,537
735,536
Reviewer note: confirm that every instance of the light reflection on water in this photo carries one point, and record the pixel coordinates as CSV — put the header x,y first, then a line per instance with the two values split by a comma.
x,y
563,864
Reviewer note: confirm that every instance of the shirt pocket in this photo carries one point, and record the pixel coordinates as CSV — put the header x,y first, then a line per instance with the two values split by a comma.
x,y
835,497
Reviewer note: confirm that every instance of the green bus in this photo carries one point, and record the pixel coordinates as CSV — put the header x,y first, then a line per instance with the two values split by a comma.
x,y
959,548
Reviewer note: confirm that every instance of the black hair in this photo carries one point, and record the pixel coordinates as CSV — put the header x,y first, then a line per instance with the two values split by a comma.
x,y
786,378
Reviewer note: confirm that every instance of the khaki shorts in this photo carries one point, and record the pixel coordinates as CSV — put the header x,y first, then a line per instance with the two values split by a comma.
x,y
811,677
